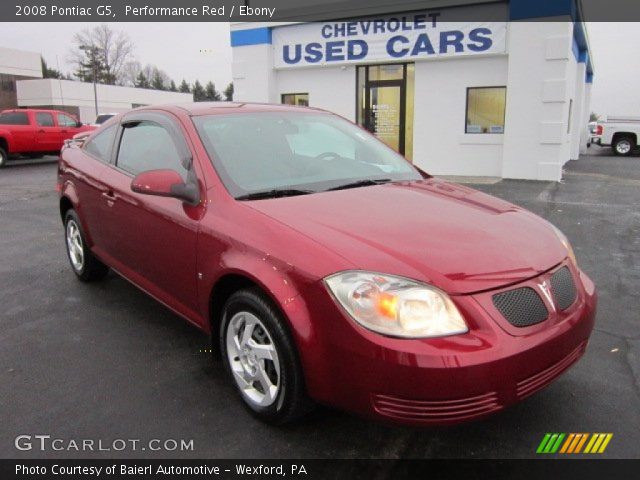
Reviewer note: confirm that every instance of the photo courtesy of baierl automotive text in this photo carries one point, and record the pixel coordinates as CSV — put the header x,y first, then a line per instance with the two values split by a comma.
x,y
319,239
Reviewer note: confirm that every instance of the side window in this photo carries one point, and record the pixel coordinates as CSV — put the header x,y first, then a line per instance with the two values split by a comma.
x,y
66,120
100,145
148,146
44,119
14,118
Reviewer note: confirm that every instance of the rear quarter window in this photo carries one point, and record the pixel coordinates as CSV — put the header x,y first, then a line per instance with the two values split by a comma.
x,y
101,145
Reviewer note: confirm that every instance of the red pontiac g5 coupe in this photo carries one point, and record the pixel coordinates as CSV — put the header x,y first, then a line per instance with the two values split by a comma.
x,y
324,265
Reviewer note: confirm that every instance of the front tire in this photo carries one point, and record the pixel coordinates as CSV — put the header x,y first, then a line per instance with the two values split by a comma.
x,y
4,157
260,357
623,146
83,263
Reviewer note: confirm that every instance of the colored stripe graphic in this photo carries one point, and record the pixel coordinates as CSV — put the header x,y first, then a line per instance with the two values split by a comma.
x,y
550,443
573,443
598,443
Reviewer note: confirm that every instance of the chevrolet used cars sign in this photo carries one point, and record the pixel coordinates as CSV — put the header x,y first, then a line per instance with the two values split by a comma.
x,y
405,37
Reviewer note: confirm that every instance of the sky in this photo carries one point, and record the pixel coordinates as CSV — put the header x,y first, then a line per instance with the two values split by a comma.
x,y
615,89
172,47
176,48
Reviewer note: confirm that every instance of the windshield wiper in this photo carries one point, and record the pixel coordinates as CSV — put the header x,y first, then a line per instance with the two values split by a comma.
x,y
274,193
360,183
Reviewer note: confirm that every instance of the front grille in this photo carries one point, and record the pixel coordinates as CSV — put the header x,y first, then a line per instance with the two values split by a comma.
x,y
521,307
563,288
439,411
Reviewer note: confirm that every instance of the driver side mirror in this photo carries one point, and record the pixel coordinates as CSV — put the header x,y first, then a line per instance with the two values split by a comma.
x,y
165,183
78,124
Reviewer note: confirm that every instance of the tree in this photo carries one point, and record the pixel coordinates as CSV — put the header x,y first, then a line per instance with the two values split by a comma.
x,y
593,117
114,49
157,82
211,94
142,81
49,72
172,86
199,94
184,87
91,68
228,93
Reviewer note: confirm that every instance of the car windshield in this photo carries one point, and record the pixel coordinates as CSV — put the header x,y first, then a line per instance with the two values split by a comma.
x,y
269,154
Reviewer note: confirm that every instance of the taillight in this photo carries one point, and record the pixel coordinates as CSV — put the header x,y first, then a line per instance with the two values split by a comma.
x,y
599,129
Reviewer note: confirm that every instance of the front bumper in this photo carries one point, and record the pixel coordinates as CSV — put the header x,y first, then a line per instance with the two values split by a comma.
x,y
450,379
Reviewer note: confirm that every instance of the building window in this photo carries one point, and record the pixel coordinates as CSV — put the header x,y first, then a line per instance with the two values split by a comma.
x,y
7,83
485,109
299,99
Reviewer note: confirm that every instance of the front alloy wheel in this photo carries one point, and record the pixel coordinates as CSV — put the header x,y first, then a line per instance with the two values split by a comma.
x,y
253,359
261,358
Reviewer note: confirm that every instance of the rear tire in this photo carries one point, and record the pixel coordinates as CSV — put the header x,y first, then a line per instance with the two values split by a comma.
x,y
83,263
262,362
3,157
623,146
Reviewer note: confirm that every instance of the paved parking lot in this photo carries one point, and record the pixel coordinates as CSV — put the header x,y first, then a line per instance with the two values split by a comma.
x,y
104,361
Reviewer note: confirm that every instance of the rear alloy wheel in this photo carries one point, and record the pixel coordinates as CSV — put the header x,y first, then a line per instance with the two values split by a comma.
x,y
623,146
260,357
86,267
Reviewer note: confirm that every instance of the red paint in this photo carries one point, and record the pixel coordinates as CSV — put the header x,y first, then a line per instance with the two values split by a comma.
x,y
33,138
466,243
156,182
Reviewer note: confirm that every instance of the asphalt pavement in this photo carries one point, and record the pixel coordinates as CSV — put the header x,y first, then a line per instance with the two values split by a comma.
x,y
105,362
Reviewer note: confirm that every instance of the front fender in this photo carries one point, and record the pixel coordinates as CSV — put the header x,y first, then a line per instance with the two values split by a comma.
x,y
277,279
286,287
6,138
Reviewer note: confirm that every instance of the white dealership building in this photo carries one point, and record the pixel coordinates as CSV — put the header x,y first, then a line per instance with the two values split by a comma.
x,y
497,89
22,86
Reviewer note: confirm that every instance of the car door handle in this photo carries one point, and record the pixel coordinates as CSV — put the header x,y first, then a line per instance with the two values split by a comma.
x,y
41,130
110,197
64,131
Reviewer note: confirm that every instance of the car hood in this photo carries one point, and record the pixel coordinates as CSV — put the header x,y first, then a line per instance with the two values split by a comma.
x,y
448,235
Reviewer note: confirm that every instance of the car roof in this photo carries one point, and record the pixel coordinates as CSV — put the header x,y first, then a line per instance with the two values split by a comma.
x,y
221,108
46,110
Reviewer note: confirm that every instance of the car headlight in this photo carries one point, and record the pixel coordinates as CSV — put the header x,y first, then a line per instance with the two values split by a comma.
x,y
565,241
396,306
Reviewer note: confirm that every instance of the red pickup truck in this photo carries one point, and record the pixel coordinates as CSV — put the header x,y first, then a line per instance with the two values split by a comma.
x,y
33,133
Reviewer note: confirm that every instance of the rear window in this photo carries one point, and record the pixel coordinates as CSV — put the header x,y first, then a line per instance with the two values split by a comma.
x,y
14,118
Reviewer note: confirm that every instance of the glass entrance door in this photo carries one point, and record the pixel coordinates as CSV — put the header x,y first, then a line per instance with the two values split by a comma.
x,y
384,114
383,92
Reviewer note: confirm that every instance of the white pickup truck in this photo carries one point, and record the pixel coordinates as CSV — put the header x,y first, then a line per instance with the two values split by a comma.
x,y
619,133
